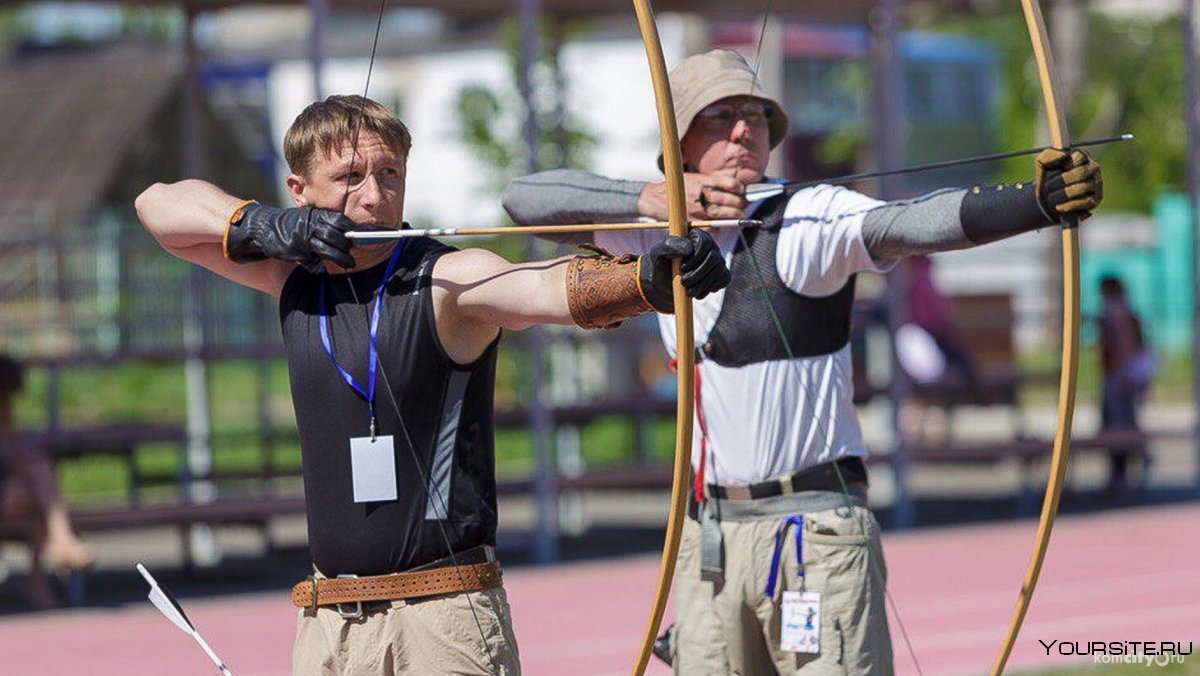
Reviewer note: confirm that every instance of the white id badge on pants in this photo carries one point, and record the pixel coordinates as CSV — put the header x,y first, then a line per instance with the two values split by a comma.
x,y
373,466
801,625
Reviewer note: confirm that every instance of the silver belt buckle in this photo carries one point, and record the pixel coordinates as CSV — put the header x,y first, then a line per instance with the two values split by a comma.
x,y
357,612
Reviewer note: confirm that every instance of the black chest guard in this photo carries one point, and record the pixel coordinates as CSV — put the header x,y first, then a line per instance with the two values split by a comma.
x,y
745,332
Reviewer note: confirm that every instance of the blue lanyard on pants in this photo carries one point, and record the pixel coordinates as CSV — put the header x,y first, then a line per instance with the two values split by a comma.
x,y
796,520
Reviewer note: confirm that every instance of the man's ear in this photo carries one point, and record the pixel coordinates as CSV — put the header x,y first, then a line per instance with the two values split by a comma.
x,y
296,186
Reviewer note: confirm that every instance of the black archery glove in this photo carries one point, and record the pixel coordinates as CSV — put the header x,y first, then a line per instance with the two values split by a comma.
x,y
304,235
702,269
1068,183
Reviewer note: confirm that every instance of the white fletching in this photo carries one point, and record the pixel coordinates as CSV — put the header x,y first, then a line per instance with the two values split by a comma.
x,y
170,608
756,192
165,604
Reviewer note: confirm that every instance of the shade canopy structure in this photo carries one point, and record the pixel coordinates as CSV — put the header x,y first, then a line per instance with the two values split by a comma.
x,y
67,122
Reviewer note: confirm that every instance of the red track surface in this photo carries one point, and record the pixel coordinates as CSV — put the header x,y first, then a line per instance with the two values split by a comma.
x,y
1129,576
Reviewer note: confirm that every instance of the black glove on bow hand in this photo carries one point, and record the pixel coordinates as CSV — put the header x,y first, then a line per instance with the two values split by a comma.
x,y
1068,184
702,269
305,235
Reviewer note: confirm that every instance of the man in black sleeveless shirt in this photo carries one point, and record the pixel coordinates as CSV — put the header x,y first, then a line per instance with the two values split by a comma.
x,y
784,530
392,370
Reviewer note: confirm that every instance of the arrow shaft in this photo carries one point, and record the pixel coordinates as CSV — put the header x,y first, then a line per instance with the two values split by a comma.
x,y
538,229
754,193
212,655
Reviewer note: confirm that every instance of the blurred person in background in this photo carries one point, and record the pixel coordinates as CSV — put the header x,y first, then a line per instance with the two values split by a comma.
x,y
933,354
1128,366
404,504
29,495
779,500
932,311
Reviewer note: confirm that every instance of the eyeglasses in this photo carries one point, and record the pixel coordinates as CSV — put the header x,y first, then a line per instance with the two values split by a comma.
x,y
720,116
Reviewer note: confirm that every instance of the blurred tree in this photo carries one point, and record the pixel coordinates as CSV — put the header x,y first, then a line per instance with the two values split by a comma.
x,y
1132,82
491,121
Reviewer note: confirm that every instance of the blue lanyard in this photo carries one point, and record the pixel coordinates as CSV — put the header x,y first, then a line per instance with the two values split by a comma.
x,y
367,392
796,521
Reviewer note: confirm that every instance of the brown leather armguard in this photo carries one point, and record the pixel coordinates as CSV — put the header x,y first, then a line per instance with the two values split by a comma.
x,y
602,291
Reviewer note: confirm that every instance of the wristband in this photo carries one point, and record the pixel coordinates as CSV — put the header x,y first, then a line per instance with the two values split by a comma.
x,y
233,218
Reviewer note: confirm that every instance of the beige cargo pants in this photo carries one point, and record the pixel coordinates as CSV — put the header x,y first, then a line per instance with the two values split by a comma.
x,y
436,635
732,628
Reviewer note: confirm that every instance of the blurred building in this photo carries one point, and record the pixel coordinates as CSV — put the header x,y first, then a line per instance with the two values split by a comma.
x,y
950,87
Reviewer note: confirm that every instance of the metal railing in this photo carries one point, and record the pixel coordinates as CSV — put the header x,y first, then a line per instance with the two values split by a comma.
x,y
111,291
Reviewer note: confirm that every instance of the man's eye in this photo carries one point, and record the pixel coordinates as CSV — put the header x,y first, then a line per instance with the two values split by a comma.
x,y
718,116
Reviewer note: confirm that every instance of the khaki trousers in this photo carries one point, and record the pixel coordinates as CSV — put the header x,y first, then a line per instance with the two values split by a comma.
x,y
732,628
436,635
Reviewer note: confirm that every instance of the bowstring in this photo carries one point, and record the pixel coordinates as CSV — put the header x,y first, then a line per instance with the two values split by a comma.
x,y
876,569
435,499
762,30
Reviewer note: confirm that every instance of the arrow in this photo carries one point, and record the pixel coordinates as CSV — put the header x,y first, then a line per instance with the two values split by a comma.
x,y
170,608
762,191
368,237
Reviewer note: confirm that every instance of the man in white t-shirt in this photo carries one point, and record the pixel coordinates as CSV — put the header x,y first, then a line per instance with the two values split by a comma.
x,y
782,528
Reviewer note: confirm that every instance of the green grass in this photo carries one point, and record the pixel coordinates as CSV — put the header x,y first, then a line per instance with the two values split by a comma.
x,y
143,392
1172,384
155,392
95,479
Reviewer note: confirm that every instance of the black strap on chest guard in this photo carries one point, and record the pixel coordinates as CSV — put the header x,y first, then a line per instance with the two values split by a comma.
x,y
745,332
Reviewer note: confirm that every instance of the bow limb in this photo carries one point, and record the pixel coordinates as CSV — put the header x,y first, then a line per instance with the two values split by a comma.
x,y
684,344
1059,138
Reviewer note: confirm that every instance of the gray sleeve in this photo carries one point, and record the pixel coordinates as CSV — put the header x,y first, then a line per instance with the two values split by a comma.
x,y
570,196
922,225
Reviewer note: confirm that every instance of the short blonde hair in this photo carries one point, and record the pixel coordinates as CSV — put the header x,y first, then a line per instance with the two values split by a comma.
x,y
330,124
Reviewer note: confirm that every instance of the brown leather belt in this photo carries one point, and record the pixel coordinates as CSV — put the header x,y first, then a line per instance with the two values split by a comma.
x,y
324,591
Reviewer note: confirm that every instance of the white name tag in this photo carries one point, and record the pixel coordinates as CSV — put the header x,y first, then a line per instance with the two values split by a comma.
x,y
801,625
373,466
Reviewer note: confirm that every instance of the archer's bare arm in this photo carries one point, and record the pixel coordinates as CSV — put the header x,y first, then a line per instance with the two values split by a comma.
x,y
189,219
476,293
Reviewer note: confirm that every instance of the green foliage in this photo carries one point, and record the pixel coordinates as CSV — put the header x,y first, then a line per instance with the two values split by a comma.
x,y
845,144
1134,85
491,122
160,25
479,112
1132,82
1133,72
